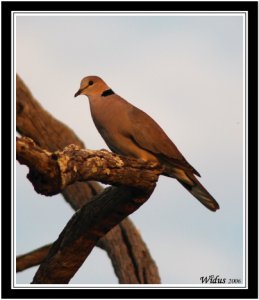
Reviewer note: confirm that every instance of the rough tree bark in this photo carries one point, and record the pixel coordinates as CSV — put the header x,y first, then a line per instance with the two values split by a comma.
x,y
82,232
129,255
51,172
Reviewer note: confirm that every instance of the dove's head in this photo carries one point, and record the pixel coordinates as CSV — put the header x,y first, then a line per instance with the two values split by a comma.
x,y
92,86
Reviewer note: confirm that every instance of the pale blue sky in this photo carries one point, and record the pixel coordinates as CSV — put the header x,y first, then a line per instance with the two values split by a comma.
x,y
187,73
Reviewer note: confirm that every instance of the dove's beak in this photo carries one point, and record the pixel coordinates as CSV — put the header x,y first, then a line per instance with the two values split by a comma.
x,y
78,93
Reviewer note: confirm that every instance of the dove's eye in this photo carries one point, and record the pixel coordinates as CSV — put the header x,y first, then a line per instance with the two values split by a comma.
x,y
91,82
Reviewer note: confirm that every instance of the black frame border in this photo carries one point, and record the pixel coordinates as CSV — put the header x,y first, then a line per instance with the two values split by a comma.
x,y
130,293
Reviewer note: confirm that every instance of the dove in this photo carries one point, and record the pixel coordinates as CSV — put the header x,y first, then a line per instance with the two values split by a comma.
x,y
129,131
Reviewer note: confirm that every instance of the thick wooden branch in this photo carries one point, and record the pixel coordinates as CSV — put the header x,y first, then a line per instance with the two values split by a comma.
x,y
51,172
144,271
83,231
49,133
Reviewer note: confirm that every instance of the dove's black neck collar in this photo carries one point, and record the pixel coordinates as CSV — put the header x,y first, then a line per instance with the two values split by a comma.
x,y
107,93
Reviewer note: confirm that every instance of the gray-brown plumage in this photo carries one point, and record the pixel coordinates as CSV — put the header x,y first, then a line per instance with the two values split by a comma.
x,y
129,131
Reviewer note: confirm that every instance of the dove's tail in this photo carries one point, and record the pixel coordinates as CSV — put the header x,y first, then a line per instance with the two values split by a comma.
x,y
192,184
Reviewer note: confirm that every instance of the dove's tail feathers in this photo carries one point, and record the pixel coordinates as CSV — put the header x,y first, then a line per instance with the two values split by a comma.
x,y
199,192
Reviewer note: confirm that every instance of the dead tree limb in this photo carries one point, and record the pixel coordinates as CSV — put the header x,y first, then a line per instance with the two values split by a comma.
x,y
32,258
33,121
132,239
51,172
83,230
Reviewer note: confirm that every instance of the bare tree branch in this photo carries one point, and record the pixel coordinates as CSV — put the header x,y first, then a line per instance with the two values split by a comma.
x,y
50,172
32,258
84,229
125,231
33,121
